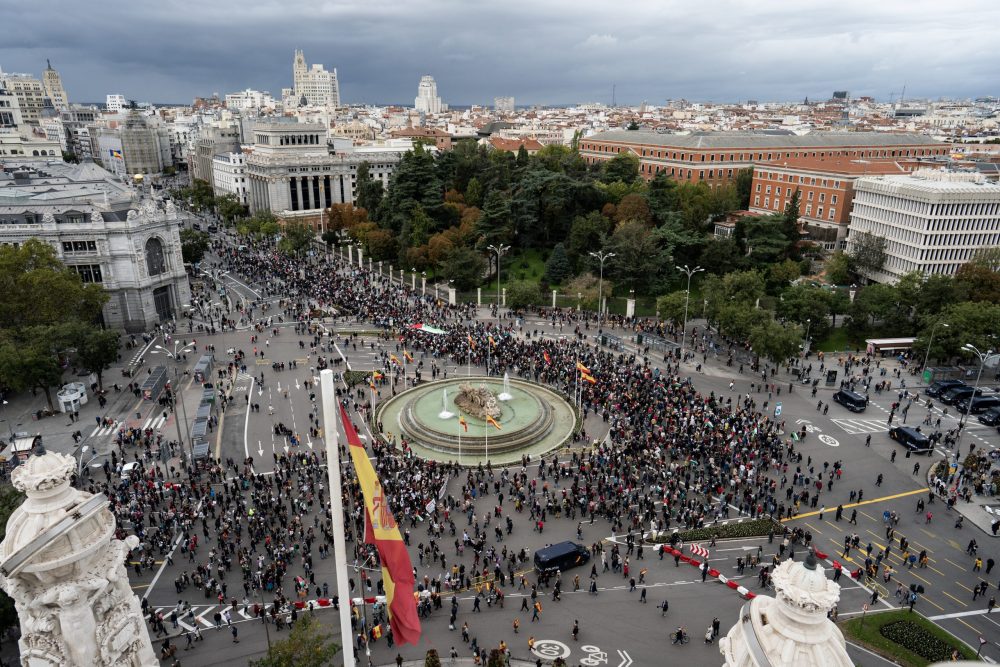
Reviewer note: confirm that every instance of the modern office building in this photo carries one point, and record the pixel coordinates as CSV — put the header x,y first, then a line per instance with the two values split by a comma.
x,y
115,102
229,175
295,171
932,220
715,157
52,84
104,230
314,85
427,100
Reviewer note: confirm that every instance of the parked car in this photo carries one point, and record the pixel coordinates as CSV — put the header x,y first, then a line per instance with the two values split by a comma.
x,y
957,394
990,417
213,228
912,439
938,387
851,400
978,405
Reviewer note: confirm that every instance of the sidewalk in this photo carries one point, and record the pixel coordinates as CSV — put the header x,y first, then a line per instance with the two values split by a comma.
x,y
982,512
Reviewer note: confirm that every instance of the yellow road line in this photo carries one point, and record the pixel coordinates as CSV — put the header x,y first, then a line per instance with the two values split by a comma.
x,y
865,502
955,564
971,627
964,604
927,599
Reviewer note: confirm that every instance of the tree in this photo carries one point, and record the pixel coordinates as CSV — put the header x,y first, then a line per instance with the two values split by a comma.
x,y
557,267
838,268
31,360
868,253
465,266
782,274
639,257
588,287
308,645
296,238
744,183
586,235
370,191
720,256
523,293
10,500
229,208
808,306
474,192
623,167
632,125
345,216
96,350
775,341
790,218
633,207
988,258
194,245
671,306
261,225
494,224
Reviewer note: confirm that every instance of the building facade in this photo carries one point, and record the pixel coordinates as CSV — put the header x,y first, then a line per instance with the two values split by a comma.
x,y
115,102
315,85
103,232
213,139
427,100
30,95
229,175
294,171
503,104
932,221
716,157
52,84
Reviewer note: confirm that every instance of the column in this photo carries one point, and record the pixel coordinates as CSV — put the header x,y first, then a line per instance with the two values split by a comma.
x,y
503,297
553,298
451,296
479,296
630,307
361,258
298,189
370,265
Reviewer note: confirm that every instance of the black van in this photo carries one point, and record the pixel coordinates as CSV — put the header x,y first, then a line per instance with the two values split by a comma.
x,y
991,417
912,439
938,387
853,401
978,405
561,556
956,395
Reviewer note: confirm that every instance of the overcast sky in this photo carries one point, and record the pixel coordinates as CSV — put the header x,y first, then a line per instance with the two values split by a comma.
x,y
539,51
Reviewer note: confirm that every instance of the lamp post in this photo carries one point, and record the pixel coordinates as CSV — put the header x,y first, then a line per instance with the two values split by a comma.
x,y
500,250
989,357
10,428
173,354
805,343
423,283
931,342
600,256
413,279
687,299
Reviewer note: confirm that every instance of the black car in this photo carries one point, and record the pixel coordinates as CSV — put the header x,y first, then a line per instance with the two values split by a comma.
x,y
978,405
957,394
561,556
912,439
853,401
991,417
938,387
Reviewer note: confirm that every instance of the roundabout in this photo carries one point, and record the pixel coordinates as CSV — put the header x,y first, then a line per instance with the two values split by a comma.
x,y
472,420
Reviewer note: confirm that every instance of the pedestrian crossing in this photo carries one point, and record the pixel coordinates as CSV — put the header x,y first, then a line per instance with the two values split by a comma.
x,y
203,615
154,421
107,430
861,426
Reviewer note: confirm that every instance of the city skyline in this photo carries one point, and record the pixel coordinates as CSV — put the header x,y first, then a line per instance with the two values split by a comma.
x,y
550,54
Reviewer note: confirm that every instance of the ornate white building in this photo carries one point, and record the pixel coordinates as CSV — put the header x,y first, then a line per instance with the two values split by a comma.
x,y
65,570
791,628
105,231
316,85
427,100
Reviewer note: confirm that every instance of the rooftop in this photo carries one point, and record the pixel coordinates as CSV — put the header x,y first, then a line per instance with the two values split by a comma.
x,y
932,181
764,140
837,165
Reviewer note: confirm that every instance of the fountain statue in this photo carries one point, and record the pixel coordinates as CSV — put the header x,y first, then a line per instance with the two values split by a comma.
x,y
478,401
505,394
445,413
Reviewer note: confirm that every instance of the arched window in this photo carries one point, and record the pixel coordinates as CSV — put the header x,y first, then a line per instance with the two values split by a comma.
x,y
156,263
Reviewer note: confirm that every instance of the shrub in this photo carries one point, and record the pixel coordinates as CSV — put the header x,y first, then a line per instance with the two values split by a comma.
x,y
352,378
914,638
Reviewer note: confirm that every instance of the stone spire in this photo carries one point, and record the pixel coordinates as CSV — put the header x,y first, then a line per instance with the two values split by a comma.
x,y
791,628
65,570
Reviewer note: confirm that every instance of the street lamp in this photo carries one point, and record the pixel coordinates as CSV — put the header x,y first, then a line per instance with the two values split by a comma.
x,y
805,343
687,299
931,342
10,428
600,256
989,357
423,283
174,354
413,279
500,250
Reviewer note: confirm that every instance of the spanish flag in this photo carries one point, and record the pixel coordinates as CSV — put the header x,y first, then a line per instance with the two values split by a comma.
x,y
493,343
408,356
383,532
583,369
377,632
464,424
588,378
490,420
376,375
394,359
545,355
471,344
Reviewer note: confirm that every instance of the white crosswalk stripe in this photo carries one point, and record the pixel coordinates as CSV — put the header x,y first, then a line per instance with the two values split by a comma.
x,y
154,421
857,426
106,430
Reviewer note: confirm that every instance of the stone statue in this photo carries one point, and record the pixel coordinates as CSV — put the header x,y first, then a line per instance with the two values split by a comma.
x,y
65,570
478,401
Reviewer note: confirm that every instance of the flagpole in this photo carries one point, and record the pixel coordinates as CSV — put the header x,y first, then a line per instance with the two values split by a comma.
x,y
459,422
486,426
332,442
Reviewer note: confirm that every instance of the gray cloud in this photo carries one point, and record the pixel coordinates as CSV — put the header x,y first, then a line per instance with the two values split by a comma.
x,y
549,51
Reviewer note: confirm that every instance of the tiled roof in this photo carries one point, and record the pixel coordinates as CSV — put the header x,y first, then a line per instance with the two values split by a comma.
x,y
753,140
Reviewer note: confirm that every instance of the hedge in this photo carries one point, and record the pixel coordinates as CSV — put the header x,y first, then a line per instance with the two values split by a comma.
x,y
906,637
352,378
752,528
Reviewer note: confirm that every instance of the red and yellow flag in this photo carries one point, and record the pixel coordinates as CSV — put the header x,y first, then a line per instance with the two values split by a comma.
x,y
464,424
471,344
490,420
383,532
408,356
394,359
376,375
588,378
583,369
545,355
493,343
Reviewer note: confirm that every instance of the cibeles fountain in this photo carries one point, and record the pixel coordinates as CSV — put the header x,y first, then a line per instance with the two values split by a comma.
x,y
529,419
65,570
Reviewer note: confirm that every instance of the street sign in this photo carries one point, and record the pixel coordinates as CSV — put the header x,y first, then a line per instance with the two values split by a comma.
x,y
777,409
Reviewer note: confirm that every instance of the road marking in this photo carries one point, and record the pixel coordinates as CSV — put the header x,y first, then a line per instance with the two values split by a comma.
x,y
964,604
865,502
958,614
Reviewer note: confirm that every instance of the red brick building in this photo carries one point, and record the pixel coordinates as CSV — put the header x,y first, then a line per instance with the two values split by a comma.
x,y
715,157
440,138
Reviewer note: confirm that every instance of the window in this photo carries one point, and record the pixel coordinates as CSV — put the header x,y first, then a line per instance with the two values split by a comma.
x,y
156,263
809,209
89,273
819,212
810,196
756,200
822,196
833,199
833,213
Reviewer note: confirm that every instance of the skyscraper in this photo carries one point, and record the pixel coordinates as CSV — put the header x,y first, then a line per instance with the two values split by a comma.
x,y
29,92
427,100
53,87
314,85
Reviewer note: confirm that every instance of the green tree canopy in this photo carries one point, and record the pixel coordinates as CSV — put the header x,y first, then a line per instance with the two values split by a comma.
x,y
194,245
295,238
623,167
523,293
465,266
671,307
775,341
557,267
308,645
